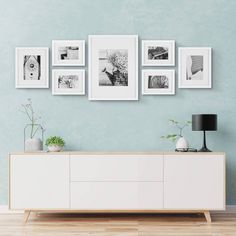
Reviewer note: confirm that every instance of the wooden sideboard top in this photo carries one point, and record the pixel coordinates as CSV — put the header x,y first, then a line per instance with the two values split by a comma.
x,y
117,153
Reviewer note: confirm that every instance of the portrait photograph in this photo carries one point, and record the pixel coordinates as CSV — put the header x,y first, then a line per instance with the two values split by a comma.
x,y
31,67
113,67
194,67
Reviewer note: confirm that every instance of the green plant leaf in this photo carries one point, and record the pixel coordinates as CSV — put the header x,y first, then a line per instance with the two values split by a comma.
x,y
171,135
178,125
55,140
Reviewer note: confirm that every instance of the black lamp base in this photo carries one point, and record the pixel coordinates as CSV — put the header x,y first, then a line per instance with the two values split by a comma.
x,y
204,149
204,146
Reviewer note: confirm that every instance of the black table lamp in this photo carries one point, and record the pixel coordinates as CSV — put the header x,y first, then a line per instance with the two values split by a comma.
x,y
204,122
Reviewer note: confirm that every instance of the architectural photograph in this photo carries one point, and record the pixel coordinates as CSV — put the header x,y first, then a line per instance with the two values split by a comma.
x,y
117,118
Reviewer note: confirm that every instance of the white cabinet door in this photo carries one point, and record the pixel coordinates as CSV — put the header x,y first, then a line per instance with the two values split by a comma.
x,y
39,182
116,168
194,182
117,195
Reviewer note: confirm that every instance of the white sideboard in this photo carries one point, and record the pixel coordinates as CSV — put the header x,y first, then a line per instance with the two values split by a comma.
x,y
117,182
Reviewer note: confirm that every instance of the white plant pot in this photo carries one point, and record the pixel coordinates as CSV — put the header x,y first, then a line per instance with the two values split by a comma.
x,y
54,148
33,145
182,143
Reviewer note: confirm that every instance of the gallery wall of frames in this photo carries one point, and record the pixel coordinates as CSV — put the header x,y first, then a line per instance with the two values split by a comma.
x,y
112,67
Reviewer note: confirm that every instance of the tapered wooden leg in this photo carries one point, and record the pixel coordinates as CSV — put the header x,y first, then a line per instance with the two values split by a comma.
x,y
207,216
26,216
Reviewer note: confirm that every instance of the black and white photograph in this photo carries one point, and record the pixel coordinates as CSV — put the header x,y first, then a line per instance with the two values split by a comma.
x,y
194,67
31,67
68,52
158,82
113,67
68,82
158,52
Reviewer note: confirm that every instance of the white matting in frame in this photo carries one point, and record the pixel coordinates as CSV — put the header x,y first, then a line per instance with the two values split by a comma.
x,y
113,67
68,52
31,67
68,82
158,52
158,82
195,67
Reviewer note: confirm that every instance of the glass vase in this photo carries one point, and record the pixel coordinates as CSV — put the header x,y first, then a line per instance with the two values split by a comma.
x,y
33,138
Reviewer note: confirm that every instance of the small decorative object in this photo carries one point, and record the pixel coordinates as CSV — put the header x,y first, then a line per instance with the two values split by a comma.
x,y
182,143
158,52
68,82
32,142
31,67
55,144
186,150
68,52
204,122
195,67
113,67
158,82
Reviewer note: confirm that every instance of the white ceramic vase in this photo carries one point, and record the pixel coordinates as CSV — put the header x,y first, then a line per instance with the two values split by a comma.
x,y
33,145
182,143
54,148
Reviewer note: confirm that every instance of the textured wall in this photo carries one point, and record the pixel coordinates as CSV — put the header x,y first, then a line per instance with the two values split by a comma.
x,y
118,125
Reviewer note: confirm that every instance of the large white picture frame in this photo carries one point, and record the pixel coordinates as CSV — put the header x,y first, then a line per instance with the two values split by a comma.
x,y
68,53
113,67
195,67
158,52
31,67
68,82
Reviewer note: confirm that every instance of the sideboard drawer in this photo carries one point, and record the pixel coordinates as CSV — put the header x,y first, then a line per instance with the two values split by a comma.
x,y
116,168
117,195
194,182
39,182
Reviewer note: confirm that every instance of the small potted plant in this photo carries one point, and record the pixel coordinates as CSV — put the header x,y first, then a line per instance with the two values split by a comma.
x,y
55,143
181,143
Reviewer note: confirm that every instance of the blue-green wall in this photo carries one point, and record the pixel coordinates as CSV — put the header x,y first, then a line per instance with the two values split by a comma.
x,y
118,125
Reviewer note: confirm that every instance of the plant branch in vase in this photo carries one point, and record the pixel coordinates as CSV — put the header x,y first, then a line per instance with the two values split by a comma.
x,y
31,142
181,143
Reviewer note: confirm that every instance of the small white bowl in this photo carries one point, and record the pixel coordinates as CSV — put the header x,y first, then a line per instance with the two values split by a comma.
x,y
54,148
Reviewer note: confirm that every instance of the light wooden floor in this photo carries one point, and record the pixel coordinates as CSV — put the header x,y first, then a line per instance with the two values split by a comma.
x,y
125,225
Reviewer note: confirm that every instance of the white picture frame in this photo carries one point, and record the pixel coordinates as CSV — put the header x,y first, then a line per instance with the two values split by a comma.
x,y
158,52
68,53
68,82
158,82
195,67
31,67
106,81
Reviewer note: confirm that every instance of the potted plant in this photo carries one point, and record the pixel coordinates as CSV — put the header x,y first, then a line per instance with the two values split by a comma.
x,y
55,144
32,142
181,143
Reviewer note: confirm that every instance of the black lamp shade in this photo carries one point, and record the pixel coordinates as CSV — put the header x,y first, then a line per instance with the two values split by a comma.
x,y
204,122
